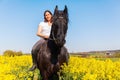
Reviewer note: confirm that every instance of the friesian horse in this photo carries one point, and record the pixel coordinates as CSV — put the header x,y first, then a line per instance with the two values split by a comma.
x,y
52,53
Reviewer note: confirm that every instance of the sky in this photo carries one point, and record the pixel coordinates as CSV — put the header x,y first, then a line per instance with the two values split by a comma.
x,y
93,24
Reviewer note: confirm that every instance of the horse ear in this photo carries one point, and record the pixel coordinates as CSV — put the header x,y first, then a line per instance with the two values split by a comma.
x,y
56,9
65,10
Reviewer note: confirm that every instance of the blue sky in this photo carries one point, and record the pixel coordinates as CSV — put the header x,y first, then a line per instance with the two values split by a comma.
x,y
94,24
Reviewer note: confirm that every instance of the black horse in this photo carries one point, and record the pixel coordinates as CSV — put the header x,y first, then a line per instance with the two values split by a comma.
x,y
52,53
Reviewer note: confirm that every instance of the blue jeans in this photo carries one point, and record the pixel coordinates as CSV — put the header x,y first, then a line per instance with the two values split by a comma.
x,y
35,50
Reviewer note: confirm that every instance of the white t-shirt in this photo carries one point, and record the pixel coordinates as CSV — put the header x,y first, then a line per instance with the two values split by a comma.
x,y
45,28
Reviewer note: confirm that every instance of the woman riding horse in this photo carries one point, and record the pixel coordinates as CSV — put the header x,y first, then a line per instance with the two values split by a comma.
x,y
52,53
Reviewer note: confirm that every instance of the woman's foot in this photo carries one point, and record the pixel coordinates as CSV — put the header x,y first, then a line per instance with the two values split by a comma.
x,y
32,68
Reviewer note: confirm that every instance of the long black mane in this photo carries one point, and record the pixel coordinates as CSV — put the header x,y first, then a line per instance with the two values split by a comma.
x,y
52,53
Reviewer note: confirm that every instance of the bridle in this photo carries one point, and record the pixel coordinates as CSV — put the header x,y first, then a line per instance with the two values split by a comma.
x,y
54,39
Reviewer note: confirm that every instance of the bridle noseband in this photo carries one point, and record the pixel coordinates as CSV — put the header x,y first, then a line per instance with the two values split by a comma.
x,y
60,17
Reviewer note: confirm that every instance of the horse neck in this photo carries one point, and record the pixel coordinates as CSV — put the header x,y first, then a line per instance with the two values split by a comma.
x,y
53,47
54,50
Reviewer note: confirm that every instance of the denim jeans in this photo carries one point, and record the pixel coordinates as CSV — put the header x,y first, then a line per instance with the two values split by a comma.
x,y
35,50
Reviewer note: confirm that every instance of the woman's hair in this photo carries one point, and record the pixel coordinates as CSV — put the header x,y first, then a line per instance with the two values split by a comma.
x,y
45,20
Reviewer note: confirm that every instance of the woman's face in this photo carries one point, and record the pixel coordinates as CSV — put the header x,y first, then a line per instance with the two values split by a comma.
x,y
48,16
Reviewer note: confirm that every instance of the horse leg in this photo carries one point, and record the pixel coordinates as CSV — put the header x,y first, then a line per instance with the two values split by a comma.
x,y
54,76
44,75
64,56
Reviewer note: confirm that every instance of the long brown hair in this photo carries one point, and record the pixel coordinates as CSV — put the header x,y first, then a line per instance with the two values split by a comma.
x,y
45,20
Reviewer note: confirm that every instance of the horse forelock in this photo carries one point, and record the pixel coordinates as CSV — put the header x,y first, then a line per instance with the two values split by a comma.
x,y
62,15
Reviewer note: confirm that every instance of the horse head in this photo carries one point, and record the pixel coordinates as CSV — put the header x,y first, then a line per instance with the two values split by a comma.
x,y
59,26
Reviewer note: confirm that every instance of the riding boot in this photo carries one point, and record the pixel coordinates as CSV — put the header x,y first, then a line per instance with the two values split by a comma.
x,y
34,59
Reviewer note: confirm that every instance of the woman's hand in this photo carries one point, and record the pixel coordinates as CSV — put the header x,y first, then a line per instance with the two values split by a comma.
x,y
46,37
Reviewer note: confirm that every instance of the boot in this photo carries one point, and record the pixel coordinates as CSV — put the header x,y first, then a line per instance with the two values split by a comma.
x,y
33,67
34,58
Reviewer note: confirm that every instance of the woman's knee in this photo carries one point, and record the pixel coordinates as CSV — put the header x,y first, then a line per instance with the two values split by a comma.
x,y
35,50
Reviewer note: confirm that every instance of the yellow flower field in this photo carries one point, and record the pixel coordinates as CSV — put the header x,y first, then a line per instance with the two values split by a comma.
x,y
16,68
91,69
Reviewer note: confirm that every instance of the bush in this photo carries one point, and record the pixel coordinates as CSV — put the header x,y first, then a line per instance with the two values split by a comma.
x,y
117,54
18,53
11,53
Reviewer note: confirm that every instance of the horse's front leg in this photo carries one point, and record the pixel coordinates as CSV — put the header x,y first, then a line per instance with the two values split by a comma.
x,y
44,75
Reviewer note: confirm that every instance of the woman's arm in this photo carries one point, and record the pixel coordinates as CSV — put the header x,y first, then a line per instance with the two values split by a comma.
x,y
40,34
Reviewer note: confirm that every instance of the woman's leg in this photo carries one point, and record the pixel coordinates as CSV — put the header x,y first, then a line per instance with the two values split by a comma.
x,y
34,52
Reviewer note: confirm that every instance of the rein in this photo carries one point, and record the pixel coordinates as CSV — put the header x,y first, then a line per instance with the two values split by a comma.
x,y
54,39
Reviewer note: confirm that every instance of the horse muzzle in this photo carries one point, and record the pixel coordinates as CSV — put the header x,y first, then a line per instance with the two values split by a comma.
x,y
60,43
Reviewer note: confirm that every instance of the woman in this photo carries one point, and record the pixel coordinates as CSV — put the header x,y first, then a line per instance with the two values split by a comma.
x,y
44,29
